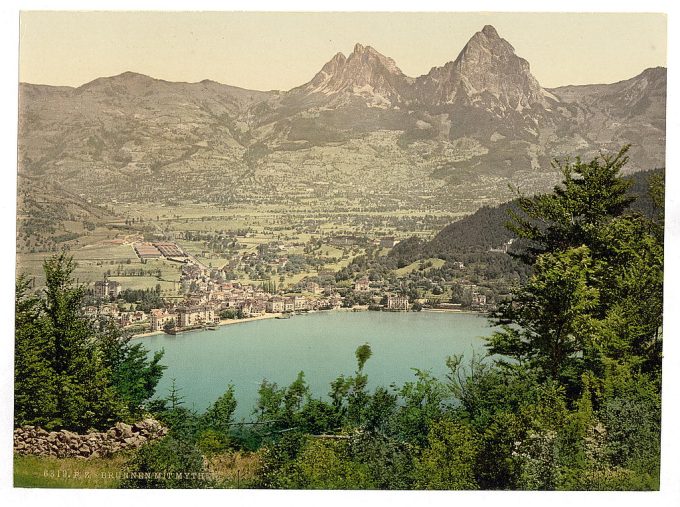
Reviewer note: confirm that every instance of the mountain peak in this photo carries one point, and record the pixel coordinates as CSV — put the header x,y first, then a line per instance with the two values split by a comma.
x,y
334,64
129,75
129,79
489,39
367,57
360,49
487,71
365,72
490,32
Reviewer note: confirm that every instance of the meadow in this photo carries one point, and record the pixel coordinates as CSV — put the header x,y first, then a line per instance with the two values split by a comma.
x,y
202,230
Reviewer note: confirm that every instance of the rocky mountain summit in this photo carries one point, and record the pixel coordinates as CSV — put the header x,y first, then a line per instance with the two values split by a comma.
x,y
365,73
487,67
463,131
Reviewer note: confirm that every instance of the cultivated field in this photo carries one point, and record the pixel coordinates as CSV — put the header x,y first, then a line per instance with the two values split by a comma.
x,y
300,237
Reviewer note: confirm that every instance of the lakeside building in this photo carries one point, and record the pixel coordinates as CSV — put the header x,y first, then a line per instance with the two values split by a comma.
x,y
130,318
258,306
275,305
246,307
159,318
300,303
188,316
334,301
397,302
478,299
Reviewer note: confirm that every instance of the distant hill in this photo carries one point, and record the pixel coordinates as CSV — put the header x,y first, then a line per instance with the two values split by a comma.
x,y
49,217
485,229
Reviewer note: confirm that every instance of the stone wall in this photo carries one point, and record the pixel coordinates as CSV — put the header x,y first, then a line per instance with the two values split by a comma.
x,y
65,444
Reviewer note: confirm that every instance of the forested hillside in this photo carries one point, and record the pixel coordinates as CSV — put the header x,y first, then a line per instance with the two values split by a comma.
x,y
486,228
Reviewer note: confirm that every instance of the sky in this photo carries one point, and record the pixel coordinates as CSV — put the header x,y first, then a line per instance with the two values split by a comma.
x,y
266,51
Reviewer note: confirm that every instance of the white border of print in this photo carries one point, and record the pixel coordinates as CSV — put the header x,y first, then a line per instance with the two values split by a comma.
x,y
670,482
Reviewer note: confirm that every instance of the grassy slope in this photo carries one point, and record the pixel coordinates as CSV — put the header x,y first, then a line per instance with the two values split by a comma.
x,y
436,263
44,472
234,469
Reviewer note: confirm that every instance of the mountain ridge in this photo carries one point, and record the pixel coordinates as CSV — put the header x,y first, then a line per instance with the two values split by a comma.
x,y
463,130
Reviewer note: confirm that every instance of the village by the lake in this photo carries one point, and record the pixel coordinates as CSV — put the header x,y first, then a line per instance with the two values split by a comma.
x,y
209,299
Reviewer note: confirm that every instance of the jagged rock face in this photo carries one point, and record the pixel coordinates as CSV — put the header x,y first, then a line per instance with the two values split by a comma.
x,y
486,70
365,73
322,82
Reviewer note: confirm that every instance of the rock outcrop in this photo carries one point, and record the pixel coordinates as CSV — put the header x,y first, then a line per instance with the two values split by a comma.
x,y
365,73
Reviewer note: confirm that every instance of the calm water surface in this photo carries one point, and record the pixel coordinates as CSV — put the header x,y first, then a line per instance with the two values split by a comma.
x,y
320,344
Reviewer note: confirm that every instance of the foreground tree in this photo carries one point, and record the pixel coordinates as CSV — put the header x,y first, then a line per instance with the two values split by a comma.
x,y
133,374
84,395
552,315
591,260
68,374
589,319
35,396
590,195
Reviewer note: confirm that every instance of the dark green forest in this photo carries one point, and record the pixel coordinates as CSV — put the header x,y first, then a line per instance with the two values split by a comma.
x,y
567,399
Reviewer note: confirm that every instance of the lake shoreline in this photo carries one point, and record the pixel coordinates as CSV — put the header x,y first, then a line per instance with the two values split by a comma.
x,y
266,316
223,322
452,310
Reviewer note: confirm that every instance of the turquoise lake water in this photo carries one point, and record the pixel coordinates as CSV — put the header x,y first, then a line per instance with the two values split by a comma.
x,y
321,344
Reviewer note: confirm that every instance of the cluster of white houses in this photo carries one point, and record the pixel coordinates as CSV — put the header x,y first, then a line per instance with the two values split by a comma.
x,y
207,313
203,307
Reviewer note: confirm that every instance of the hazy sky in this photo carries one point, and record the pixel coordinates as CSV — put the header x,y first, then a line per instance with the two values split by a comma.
x,y
279,51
